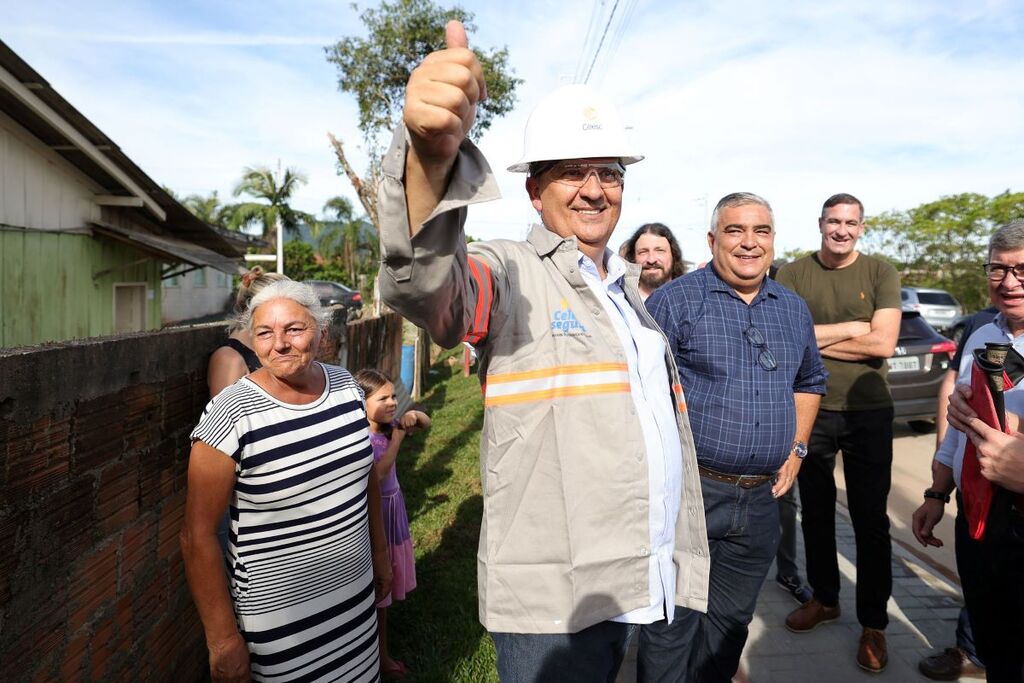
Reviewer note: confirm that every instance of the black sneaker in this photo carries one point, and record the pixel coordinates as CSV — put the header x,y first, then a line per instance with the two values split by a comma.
x,y
795,587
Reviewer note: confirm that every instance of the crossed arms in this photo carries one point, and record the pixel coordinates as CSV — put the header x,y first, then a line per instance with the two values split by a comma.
x,y
859,340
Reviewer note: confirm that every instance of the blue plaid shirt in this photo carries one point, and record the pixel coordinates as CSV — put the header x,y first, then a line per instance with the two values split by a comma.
x,y
742,415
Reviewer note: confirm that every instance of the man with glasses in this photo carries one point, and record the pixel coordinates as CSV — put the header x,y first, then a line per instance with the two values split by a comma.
x,y
855,302
991,569
591,527
753,377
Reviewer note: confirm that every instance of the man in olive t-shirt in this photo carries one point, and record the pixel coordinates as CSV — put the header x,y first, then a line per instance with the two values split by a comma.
x,y
855,303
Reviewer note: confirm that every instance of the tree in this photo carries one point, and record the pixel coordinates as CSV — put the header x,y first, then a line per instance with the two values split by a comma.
x,y
348,239
261,183
209,209
375,70
944,243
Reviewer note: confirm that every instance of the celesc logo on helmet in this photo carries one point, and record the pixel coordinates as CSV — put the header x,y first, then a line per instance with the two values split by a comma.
x,y
575,122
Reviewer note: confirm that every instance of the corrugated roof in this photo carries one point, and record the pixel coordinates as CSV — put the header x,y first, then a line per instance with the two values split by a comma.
x,y
180,223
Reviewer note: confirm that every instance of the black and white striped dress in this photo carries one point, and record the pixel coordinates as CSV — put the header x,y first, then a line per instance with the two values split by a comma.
x,y
299,547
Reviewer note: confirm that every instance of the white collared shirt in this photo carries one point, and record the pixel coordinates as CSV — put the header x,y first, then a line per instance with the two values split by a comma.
x,y
652,404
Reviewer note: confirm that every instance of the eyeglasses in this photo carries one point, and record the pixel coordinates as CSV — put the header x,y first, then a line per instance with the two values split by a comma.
x,y
765,358
997,271
576,174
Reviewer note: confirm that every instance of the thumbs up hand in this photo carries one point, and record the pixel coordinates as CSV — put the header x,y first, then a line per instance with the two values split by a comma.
x,y
441,99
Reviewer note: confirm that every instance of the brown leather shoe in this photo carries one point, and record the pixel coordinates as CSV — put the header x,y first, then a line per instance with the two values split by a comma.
x,y
872,654
808,616
949,665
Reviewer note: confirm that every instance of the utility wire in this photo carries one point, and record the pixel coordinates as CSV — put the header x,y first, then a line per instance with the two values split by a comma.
x,y
612,45
595,15
601,43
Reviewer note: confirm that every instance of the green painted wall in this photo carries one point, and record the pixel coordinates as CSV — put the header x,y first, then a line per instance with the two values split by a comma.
x,y
47,291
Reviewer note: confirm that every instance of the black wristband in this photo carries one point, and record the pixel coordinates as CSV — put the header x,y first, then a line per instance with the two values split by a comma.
x,y
937,495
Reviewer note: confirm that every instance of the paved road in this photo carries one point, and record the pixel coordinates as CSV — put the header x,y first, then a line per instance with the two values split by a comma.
x,y
923,610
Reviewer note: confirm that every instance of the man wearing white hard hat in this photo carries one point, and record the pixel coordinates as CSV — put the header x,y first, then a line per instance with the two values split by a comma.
x,y
593,525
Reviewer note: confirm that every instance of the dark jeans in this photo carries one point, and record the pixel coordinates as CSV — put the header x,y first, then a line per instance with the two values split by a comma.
x,y
865,438
992,576
785,558
594,654
743,536
965,637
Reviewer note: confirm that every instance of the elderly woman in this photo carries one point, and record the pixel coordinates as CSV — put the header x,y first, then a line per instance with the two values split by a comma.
x,y
234,358
287,448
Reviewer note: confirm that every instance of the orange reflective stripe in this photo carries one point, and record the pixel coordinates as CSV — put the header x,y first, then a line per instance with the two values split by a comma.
x,y
559,392
677,389
585,379
480,272
557,370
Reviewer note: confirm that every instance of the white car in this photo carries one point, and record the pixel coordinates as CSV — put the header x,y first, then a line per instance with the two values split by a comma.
x,y
938,307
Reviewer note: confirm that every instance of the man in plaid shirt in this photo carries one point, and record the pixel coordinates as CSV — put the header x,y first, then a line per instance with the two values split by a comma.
x,y
753,379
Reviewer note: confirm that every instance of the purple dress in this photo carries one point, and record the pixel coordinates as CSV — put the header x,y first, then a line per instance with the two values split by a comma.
x,y
396,527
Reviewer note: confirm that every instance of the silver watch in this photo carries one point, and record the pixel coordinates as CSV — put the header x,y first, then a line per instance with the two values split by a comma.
x,y
800,449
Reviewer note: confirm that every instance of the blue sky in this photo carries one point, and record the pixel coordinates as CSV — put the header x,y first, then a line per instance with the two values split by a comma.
x,y
896,102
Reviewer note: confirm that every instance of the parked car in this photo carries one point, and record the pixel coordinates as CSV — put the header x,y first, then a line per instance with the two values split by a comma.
x,y
938,307
916,369
337,294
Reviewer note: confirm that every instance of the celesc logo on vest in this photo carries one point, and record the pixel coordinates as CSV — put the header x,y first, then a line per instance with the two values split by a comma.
x,y
565,324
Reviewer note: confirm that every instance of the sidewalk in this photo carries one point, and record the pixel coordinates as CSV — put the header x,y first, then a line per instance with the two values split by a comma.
x,y
923,611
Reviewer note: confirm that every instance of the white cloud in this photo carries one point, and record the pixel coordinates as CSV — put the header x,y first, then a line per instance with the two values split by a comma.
x,y
898,103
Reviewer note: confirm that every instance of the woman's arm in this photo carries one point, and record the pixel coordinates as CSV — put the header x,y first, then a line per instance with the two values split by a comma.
x,y
226,367
211,479
378,539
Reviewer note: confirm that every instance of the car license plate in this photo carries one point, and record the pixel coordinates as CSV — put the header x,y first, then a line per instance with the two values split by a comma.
x,y
908,364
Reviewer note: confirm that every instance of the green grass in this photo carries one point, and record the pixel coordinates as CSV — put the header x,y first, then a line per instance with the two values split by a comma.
x,y
436,631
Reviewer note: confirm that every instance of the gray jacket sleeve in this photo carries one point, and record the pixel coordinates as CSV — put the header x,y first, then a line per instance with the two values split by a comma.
x,y
428,278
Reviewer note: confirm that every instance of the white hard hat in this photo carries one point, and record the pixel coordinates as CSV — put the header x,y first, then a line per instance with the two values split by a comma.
x,y
574,122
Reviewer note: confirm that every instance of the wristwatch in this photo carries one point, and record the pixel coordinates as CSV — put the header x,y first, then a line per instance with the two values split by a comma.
x,y
937,495
799,449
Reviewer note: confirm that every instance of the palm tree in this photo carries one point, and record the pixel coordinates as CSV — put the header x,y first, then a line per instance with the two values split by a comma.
x,y
261,183
349,238
209,209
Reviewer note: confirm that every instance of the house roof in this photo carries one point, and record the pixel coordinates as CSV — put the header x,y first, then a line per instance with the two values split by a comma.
x,y
27,98
169,248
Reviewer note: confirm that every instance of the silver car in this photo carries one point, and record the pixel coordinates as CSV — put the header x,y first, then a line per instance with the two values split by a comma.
x,y
938,307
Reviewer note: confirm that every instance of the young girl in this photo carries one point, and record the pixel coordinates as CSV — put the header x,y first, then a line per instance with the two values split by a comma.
x,y
386,435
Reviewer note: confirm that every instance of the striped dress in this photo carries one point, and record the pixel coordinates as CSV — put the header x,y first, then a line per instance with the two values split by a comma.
x,y
301,576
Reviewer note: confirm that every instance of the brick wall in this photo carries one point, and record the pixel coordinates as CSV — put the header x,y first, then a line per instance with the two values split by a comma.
x,y
94,440
94,436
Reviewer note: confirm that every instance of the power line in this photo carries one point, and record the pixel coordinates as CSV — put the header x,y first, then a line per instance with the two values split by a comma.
x,y
612,46
601,43
595,15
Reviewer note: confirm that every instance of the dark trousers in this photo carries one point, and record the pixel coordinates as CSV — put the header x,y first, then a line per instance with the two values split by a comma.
x,y
785,558
865,438
992,576
743,536
595,653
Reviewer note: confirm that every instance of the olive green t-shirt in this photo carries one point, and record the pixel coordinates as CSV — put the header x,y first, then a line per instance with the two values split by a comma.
x,y
839,295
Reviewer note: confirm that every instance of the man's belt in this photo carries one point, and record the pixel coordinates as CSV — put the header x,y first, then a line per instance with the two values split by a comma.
x,y
744,481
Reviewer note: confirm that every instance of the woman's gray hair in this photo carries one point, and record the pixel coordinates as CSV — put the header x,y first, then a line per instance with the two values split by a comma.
x,y
1009,237
299,292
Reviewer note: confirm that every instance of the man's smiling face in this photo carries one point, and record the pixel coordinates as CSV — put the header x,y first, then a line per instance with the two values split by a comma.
x,y
743,246
589,212
841,226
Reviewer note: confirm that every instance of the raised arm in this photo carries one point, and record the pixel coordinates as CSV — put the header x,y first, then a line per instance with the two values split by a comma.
x,y
440,107
880,342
